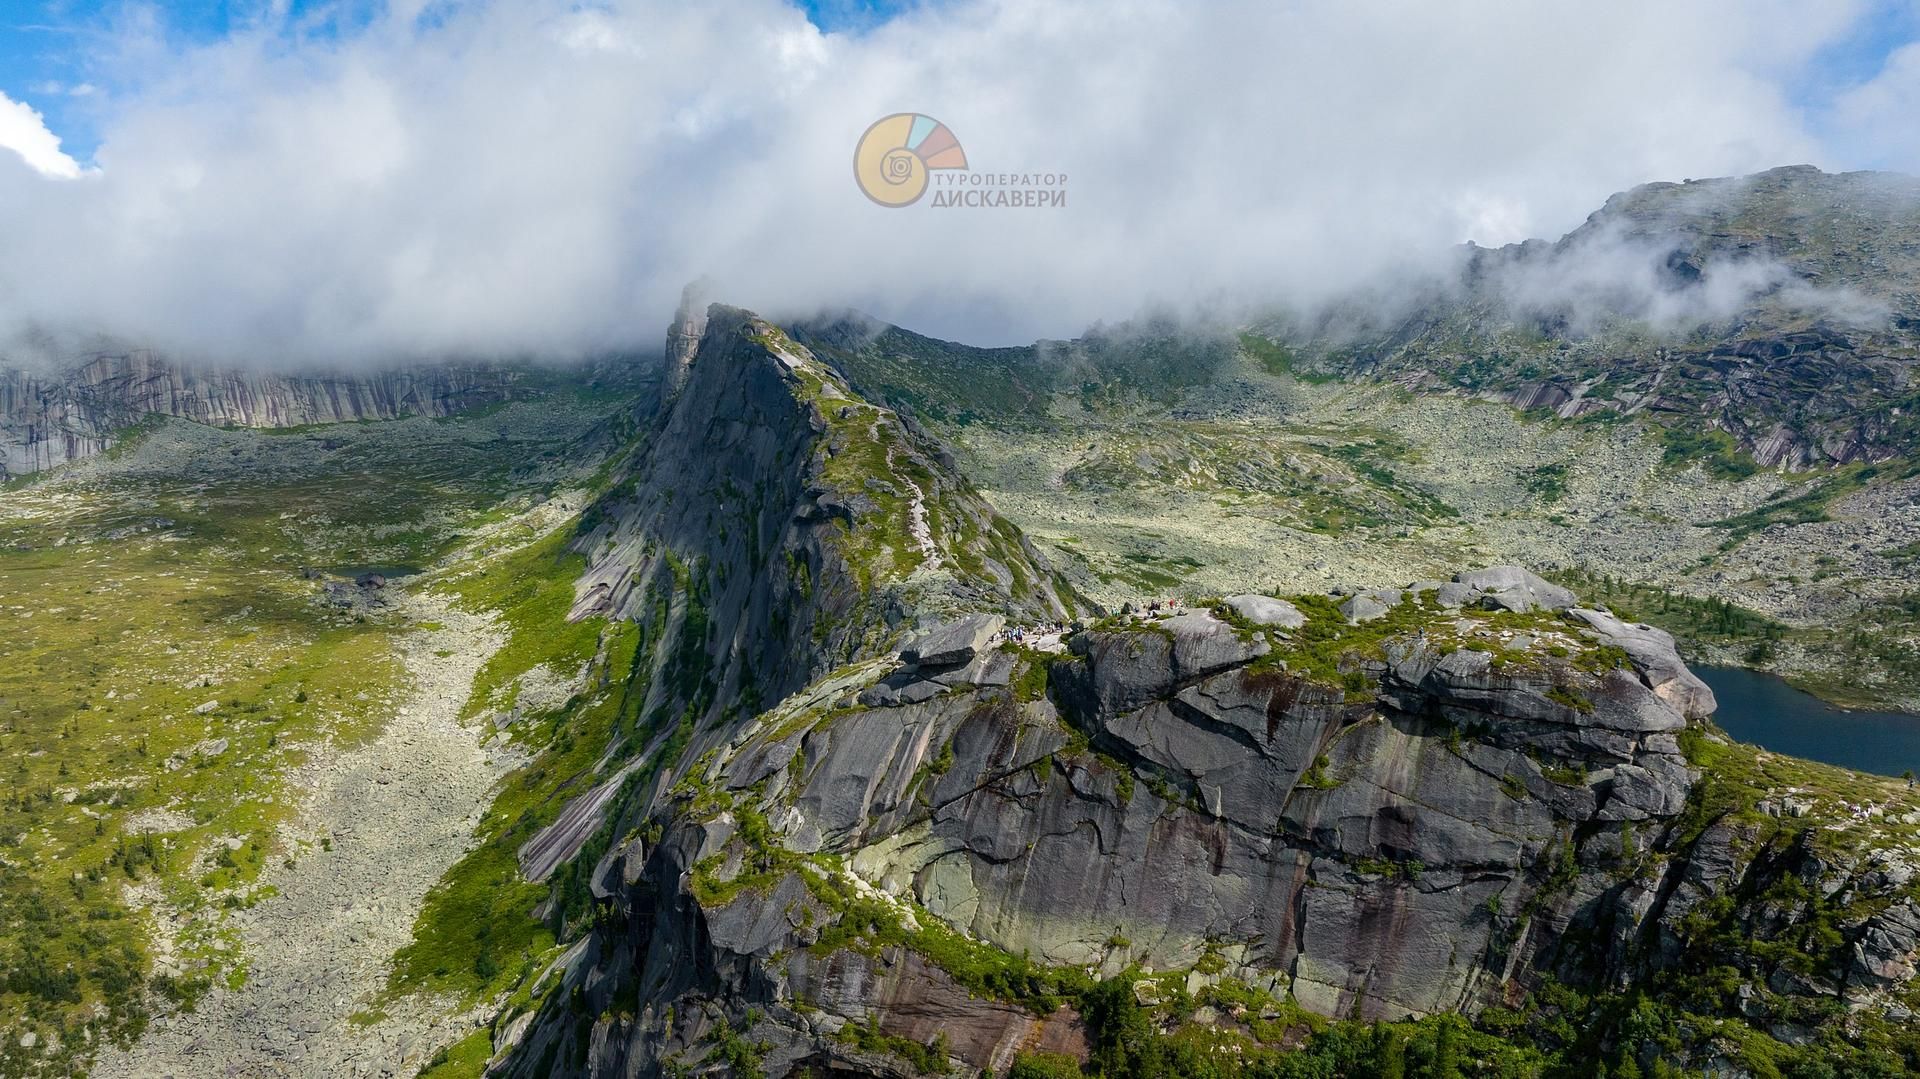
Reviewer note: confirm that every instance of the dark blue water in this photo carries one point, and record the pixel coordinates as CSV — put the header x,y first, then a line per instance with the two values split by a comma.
x,y
1768,712
393,573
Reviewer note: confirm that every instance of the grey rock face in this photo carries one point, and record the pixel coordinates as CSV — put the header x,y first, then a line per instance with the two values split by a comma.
x,y
1443,827
683,340
953,644
1267,611
1367,606
1408,851
1657,660
1884,956
1130,669
46,421
740,547
1348,852
1449,594
1515,589
1639,793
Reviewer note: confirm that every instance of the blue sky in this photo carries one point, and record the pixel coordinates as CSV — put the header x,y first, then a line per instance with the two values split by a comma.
x,y
44,44
1861,54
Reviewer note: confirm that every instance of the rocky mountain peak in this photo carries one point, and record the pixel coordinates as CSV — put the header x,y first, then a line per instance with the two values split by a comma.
x,y
1715,303
683,338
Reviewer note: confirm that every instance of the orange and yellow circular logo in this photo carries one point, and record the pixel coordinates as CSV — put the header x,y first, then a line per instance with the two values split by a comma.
x,y
894,156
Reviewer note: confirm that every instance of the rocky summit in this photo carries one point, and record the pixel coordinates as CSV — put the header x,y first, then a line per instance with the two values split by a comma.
x,y
1712,302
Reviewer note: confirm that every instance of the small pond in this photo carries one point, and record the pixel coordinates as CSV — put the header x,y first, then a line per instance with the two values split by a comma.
x,y
391,573
1766,711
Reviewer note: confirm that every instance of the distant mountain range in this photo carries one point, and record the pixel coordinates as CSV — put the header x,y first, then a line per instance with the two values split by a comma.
x,y
1775,316
1782,309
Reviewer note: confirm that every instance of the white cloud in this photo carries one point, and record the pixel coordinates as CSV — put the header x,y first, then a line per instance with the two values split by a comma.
x,y
1867,115
25,133
541,176
51,88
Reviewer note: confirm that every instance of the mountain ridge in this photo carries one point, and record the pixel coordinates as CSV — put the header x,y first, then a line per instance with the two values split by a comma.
x,y
1780,308
946,847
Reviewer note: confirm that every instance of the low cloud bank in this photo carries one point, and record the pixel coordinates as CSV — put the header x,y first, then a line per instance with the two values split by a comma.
x,y
539,178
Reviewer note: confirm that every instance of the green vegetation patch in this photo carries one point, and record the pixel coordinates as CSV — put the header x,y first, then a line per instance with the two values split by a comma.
x,y
476,933
532,591
1311,478
1693,620
1548,483
1277,359
1716,451
1810,501
1328,649
165,663
464,1059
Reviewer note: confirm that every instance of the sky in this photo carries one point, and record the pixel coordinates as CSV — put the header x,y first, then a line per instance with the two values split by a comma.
x,y
345,181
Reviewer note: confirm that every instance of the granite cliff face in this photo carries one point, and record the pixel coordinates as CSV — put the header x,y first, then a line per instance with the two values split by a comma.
x,y
48,420
812,524
913,854
770,527
892,819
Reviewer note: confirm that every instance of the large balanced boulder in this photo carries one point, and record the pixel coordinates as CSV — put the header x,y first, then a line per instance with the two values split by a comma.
x,y
1514,589
952,644
1266,611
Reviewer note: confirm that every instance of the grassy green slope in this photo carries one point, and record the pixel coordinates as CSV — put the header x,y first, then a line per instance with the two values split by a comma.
x,y
166,663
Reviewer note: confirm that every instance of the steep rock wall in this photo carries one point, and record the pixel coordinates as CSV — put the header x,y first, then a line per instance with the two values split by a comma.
x,y
769,527
1178,801
47,421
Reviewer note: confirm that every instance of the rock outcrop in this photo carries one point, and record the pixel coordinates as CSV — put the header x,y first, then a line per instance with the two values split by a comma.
x,y
1185,796
1511,588
777,525
1267,611
873,820
683,340
1653,652
771,527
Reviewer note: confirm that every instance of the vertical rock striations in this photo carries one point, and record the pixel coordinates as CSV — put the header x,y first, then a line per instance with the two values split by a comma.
x,y
771,527
683,340
48,421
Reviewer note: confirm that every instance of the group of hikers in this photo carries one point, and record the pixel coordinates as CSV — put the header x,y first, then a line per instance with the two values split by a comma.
x,y
1151,608
1023,634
